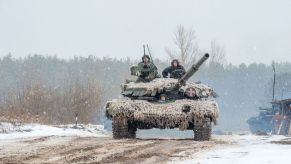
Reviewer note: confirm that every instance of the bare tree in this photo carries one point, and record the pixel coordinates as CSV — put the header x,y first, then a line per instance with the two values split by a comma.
x,y
217,53
187,49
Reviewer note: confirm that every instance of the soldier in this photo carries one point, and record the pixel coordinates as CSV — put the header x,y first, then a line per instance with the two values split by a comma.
x,y
176,70
162,98
148,71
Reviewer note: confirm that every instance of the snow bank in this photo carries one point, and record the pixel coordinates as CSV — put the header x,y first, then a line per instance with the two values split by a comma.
x,y
251,149
10,131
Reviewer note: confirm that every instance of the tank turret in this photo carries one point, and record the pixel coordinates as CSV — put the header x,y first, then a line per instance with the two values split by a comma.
x,y
173,88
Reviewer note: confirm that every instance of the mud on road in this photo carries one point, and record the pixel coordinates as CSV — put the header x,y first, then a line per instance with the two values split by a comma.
x,y
56,149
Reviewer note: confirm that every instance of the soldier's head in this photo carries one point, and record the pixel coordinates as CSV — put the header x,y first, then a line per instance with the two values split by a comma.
x,y
175,63
146,59
163,97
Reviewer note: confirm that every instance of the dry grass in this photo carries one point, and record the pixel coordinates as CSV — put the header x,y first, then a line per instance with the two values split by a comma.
x,y
36,102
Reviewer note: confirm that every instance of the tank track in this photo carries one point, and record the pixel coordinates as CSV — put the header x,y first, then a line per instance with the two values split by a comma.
x,y
202,130
122,127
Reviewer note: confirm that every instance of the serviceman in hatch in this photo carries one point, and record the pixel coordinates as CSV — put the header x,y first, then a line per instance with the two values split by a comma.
x,y
148,71
163,98
176,70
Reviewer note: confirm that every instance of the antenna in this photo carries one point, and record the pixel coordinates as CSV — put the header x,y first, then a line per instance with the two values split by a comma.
x,y
150,53
274,79
144,50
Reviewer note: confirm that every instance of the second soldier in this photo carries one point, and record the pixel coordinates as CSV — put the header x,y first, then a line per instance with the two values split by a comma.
x,y
176,70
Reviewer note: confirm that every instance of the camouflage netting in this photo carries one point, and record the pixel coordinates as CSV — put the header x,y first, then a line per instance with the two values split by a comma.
x,y
164,115
160,84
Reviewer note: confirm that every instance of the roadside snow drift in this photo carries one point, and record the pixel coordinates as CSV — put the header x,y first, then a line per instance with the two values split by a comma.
x,y
10,131
250,149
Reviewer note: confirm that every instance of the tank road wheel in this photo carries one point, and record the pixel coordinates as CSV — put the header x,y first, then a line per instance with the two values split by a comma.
x,y
202,130
122,128
131,131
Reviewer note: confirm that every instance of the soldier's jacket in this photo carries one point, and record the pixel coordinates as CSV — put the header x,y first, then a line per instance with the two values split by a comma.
x,y
175,73
147,71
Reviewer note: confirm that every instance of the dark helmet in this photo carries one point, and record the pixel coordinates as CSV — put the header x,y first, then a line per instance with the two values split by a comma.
x,y
175,60
146,56
163,95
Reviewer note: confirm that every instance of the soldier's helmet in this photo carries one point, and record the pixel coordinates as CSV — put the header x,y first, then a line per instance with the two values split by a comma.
x,y
163,97
146,56
175,60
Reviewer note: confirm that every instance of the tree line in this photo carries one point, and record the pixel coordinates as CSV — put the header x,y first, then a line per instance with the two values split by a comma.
x,y
55,89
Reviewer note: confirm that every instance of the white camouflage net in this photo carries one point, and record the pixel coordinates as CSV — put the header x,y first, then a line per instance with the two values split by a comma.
x,y
164,115
159,84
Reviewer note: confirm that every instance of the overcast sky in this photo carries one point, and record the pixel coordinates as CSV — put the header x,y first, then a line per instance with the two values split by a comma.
x,y
250,30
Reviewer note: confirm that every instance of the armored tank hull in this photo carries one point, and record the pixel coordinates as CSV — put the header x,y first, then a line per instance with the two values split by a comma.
x,y
128,115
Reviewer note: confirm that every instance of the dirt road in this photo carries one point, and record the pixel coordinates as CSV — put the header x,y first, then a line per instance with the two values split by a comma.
x,y
56,149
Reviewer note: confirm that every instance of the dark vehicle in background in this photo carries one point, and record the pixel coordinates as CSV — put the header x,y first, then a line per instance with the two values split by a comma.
x,y
274,120
262,122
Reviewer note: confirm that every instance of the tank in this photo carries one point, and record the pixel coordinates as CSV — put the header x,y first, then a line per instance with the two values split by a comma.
x,y
165,103
262,123
275,120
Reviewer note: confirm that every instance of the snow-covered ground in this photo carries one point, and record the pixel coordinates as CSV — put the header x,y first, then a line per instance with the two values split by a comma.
x,y
10,131
250,149
222,149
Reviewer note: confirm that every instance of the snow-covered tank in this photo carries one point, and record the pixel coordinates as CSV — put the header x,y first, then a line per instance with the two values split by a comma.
x,y
164,103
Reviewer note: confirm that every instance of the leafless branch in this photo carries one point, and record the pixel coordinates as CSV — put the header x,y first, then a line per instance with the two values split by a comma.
x,y
217,53
187,49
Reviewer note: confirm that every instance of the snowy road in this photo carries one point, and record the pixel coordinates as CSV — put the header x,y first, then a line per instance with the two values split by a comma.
x,y
91,143
249,149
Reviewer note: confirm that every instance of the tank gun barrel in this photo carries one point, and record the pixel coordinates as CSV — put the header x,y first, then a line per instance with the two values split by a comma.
x,y
192,70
